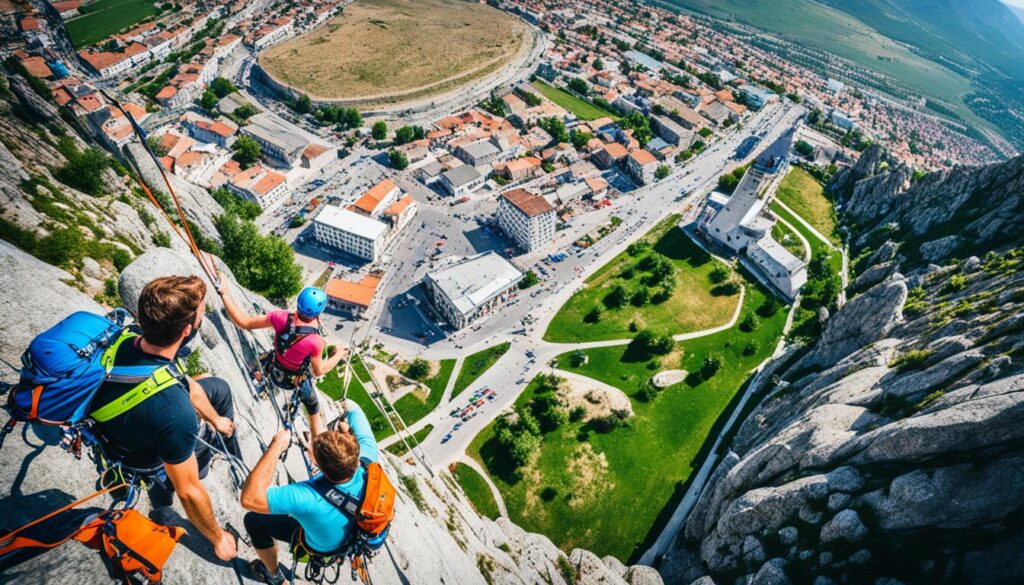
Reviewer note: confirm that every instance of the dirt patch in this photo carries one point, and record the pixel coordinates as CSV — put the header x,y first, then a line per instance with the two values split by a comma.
x,y
598,400
388,48
589,472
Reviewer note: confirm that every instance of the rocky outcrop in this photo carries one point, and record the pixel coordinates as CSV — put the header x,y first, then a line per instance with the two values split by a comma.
x,y
436,537
891,450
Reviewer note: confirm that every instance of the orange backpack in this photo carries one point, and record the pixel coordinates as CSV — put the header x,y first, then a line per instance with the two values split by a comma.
x,y
378,507
131,541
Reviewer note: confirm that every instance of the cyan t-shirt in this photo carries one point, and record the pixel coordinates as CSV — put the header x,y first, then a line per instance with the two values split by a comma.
x,y
324,527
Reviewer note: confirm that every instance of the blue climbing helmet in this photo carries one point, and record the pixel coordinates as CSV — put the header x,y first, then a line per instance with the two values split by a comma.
x,y
311,302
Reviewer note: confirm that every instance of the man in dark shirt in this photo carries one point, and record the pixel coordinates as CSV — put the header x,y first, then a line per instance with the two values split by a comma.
x,y
162,429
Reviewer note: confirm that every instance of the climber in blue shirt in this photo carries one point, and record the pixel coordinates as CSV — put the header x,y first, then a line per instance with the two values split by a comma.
x,y
277,512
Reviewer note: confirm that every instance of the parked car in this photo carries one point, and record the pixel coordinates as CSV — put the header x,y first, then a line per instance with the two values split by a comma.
x,y
446,438
479,402
457,426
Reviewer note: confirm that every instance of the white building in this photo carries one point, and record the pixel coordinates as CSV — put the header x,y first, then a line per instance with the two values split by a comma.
x,y
528,219
259,184
350,232
469,288
461,180
742,224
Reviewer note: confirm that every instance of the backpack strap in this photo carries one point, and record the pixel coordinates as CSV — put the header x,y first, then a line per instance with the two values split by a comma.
x,y
148,380
343,502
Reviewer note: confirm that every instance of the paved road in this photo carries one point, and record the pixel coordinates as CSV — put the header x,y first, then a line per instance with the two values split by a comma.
x,y
641,210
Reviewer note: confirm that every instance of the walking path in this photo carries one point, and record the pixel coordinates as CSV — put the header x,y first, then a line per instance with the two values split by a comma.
x,y
844,274
490,483
416,426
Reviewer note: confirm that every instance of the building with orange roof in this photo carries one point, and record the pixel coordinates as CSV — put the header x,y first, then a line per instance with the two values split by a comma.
x,y
29,23
401,212
642,165
212,131
608,155
528,219
376,199
352,297
520,169
316,155
259,184
37,67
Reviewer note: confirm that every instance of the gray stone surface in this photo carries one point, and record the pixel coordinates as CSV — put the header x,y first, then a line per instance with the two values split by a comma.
x,y
845,526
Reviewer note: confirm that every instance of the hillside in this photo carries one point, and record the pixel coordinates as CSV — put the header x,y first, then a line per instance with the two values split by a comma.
x,y
889,448
964,55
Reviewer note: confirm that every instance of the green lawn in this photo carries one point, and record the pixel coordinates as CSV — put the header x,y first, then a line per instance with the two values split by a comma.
x,y
399,447
583,109
609,492
416,405
806,196
789,240
333,386
106,17
475,365
818,247
691,307
477,490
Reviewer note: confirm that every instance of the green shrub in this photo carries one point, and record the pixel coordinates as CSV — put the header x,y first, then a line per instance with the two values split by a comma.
x,y
750,322
956,283
914,359
710,366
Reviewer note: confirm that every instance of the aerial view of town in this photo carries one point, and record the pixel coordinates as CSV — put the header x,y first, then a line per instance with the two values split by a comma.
x,y
571,258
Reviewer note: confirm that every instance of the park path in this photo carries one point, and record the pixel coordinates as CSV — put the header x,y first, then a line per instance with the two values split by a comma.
x,y
487,479
430,416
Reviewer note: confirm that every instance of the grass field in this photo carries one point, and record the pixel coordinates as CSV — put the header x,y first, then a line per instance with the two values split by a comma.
x,y
610,493
806,196
333,385
477,491
416,405
789,240
106,17
691,307
583,109
399,447
818,248
843,35
475,365
398,49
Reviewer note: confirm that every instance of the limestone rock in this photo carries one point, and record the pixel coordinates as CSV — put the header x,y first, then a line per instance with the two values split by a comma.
x,y
844,526
772,573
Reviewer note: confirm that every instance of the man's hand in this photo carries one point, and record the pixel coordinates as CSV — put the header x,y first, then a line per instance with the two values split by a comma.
x,y
223,425
282,439
222,283
226,548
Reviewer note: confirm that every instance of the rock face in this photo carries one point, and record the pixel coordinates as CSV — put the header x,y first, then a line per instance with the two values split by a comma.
x,y
890,451
436,538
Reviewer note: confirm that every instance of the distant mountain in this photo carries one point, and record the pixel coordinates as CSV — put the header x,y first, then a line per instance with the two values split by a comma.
x,y
1016,10
971,33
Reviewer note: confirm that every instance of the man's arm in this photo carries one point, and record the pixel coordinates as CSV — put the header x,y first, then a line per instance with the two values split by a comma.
x,y
201,402
361,428
237,315
196,501
254,491
321,366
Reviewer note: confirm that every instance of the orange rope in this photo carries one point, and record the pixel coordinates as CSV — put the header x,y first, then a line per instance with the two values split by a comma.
x,y
7,537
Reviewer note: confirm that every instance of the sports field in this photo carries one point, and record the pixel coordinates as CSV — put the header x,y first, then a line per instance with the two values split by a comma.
x,y
583,109
391,50
106,17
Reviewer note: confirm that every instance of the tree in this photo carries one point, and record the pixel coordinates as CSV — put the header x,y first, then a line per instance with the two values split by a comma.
x,y
549,412
578,85
727,183
646,344
617,297
593,315
577,358
598,64
83,169
529,279
379,130
350,119
245,111
579,138
710,366
750,322
640,297
264,264
533,100
662,171
398,159
640,126
804,148
222,87
233,204
303,104
555,127
209,100
407,134
704,132
418,369
719,274
246,151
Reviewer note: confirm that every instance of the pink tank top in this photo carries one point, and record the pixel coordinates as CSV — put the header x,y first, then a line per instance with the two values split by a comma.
x,y
307,346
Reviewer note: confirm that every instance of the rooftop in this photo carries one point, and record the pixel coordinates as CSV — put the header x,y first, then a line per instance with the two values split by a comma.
x,y
461,175
351,222
472,281
528,203
358,293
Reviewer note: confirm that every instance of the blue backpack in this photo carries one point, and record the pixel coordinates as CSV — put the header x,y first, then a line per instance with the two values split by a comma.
x,y
63,368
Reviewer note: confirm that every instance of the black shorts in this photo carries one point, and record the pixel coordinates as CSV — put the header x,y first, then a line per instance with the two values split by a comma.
x,y
264,529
